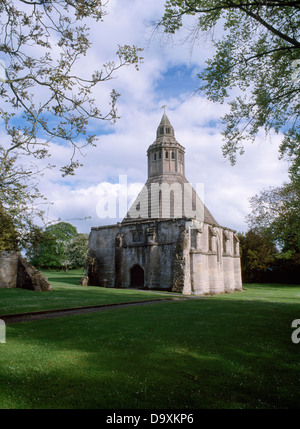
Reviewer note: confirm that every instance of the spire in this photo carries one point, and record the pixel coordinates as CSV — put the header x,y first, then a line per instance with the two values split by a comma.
x,y
166,167
165,128
165,155
165,120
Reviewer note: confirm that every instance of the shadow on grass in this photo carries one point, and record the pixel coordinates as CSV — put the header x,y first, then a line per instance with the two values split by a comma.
x,y
182,355
269,286
14,301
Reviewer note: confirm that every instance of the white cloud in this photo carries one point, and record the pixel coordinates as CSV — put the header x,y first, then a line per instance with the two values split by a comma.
x,y
122,150
227,189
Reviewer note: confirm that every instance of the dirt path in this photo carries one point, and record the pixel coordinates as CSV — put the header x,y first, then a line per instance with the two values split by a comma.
x,y
50,314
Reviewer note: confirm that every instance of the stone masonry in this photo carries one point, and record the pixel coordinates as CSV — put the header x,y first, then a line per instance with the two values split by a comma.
x,y
16,272
169,239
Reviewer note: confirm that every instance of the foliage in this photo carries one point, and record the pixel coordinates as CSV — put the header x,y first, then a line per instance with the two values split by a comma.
x,y
276,210
256,69
256,59
50,251
8,235
270,250
19,196
41,44
76,251
46,96
258,254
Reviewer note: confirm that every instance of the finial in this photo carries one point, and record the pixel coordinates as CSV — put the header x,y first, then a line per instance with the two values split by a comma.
x,y
164,107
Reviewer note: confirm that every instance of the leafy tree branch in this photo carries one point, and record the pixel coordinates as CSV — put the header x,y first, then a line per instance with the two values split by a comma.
x,y
256,54
41,44
46,97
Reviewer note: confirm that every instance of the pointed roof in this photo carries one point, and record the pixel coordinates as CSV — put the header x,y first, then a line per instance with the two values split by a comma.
x,y
165,127
165,120
148,203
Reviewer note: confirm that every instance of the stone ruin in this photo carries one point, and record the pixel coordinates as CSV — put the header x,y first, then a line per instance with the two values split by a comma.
x,y
16,272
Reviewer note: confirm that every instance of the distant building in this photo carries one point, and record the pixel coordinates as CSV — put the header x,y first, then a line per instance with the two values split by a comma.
x,y
168,240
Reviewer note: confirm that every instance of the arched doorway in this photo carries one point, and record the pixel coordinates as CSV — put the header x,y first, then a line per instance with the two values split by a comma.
x,y
136,276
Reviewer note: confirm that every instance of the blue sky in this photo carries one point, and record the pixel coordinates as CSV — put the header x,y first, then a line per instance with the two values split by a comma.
x,y
168,76
178,79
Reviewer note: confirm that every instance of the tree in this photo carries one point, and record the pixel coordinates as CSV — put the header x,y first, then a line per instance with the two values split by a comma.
x,y
8,235
275,214
18,197
257,55
276,210
41,43
258,254
50,253
76,251
43,97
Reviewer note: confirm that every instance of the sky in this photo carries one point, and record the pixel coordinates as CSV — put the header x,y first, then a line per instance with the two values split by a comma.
x,y
167,76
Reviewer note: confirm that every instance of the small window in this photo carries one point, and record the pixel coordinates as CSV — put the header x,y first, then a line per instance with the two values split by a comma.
x,y
168,131
161,130
167,154
159,154
218,252
194,233
137,237
173,155
154,156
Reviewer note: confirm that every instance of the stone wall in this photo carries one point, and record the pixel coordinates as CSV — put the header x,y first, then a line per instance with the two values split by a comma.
x,y
117,249
181,255
16,272
215,261
8,269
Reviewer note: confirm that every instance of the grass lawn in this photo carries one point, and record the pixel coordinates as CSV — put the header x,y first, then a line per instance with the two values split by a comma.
x,y
226,351
66,293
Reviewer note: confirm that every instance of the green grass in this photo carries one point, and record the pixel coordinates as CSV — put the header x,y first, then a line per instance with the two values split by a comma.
x,y
226,351
67,292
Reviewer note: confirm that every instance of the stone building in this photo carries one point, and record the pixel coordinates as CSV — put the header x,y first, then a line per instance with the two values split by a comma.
x,y
168,239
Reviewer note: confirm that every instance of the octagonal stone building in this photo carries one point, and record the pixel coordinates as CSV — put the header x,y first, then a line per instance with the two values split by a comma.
x,y
168,240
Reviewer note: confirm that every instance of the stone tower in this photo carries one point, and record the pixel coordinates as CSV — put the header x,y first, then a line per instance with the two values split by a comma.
x,y
167,193
165,155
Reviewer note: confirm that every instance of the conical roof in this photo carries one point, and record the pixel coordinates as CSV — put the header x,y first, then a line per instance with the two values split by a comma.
x,y
165,121
165,129
167,193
